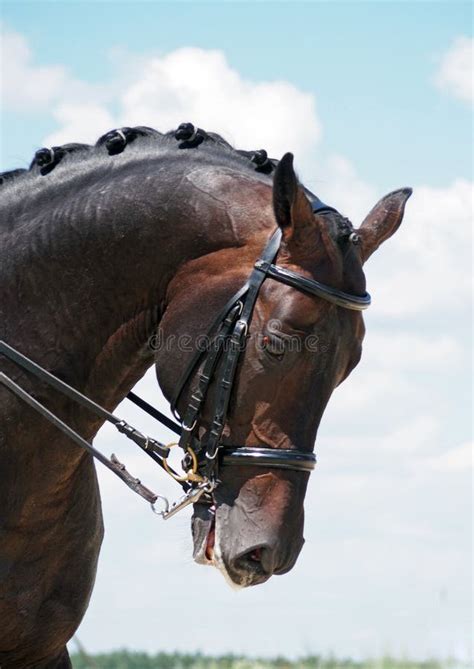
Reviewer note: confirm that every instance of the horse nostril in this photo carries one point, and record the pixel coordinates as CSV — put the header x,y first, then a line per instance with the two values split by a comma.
x,y
258,560
256,555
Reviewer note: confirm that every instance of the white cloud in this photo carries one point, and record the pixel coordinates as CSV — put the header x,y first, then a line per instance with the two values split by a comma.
x,y
81,122
368,450
396,367
188,84
345,190
425,267
412,351
198,85
25,86
455,460
23,83
455,73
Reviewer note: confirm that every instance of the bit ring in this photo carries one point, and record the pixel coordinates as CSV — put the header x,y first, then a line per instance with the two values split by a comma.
x,y
191,474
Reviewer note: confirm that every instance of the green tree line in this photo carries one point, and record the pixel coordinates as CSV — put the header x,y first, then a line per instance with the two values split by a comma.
x,y
134,660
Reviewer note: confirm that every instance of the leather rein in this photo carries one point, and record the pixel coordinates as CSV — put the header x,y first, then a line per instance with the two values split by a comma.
x,y
217,364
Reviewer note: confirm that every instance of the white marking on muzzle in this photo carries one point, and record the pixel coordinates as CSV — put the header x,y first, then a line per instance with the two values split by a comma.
x,y
219,561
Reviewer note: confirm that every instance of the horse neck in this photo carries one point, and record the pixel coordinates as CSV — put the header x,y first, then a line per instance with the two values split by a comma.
x,y
100,267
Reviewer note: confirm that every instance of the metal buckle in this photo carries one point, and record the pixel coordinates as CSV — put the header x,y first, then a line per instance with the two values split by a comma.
x,y
175,413
262,265
189,428
245,328
214,455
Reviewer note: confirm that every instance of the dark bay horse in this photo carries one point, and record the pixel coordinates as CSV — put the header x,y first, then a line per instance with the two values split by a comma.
x,y
101,249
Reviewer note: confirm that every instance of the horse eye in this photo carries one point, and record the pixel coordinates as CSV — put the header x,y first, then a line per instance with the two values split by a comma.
x,y
274,346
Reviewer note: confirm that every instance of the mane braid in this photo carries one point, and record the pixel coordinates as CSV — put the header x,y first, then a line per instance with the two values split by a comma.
x,y
47,159
143,138
116,141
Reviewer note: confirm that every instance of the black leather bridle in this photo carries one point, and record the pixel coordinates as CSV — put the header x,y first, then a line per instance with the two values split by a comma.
x,y
217,365
231,329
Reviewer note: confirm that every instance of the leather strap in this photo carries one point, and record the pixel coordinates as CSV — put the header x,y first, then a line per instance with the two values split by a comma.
x,y
153,448
313,287
152,411
187,374
146,443
205,377
237,341
113,464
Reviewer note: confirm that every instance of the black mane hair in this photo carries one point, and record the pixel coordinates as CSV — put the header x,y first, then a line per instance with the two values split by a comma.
x,y
114,142
131,140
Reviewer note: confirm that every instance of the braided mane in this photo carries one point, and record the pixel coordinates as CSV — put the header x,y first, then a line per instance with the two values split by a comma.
x,y
141,140
114,142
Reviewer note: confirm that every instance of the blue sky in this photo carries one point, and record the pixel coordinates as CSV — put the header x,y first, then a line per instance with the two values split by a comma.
x,y
363,60
370,96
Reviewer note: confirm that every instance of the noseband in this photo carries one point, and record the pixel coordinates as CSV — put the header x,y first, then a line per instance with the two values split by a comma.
x,y
218,364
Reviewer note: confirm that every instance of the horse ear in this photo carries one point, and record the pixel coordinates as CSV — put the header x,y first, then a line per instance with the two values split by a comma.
x,y
382,221
290,205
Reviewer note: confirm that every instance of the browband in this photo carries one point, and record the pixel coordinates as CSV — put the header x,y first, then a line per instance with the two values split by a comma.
x,y
313,287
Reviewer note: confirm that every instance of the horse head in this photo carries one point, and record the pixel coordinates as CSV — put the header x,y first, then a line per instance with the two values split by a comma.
x,y
252,290
298,348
